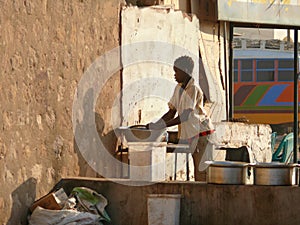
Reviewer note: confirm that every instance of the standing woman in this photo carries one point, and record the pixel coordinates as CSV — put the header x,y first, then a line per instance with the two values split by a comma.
x,y
186,109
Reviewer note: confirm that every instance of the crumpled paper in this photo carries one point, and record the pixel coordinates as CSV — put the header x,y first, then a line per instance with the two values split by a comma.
x,y
84,206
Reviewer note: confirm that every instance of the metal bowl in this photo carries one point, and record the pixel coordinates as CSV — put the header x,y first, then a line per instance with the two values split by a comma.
x,y
273,174
227,172
140,134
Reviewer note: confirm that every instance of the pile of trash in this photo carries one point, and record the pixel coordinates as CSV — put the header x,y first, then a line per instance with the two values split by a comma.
x,y
83,206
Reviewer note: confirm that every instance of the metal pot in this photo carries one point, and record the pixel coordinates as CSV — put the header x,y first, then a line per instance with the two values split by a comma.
x,y
173,137
227,172
273,174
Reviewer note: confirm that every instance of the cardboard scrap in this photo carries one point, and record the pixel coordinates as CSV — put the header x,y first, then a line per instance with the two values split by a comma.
x,y
53,200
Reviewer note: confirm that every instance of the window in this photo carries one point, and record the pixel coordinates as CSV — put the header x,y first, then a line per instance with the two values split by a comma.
x,y
285,69
265,70
246,70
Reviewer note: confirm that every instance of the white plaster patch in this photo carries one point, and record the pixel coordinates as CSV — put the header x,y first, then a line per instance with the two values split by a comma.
x,y
21,175
39,121
36,172
58,147
153,27
50,175
254,136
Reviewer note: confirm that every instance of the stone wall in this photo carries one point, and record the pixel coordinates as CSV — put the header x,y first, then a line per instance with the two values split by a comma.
x,y
45,48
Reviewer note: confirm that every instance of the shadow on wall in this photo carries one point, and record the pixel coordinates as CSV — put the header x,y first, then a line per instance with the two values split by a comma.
x,y
142,3
283,128
109,140
22,198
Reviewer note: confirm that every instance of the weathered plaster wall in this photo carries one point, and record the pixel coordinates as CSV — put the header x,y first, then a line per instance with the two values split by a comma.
x,y
212,44
256,137
211,41
45,46
154,39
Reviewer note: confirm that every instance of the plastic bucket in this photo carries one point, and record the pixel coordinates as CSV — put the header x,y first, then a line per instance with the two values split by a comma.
x,y
163,209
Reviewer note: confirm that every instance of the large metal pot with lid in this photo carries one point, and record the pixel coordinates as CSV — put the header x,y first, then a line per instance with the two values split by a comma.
x,y
273,173
227,172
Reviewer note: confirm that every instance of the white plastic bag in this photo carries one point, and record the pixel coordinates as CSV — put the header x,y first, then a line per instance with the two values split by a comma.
x,y
41,216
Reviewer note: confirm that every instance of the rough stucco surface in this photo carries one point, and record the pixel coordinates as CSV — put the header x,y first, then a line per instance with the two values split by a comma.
x,y
212,53
172,34
159,35
45,48
256,137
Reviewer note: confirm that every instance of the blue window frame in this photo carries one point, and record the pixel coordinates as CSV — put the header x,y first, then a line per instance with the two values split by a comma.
x,y
236,70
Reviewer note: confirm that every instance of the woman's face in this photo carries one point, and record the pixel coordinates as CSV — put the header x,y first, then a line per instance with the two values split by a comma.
x,y
179,75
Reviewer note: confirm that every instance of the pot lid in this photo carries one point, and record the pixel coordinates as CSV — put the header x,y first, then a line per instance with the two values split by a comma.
x,y
227,163
273,165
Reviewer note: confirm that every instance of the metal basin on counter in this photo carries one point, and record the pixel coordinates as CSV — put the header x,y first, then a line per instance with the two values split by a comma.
x,y
273,173
139,133
226,172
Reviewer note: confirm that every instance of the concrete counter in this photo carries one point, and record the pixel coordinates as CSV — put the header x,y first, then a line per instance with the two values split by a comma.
x,y
202,203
